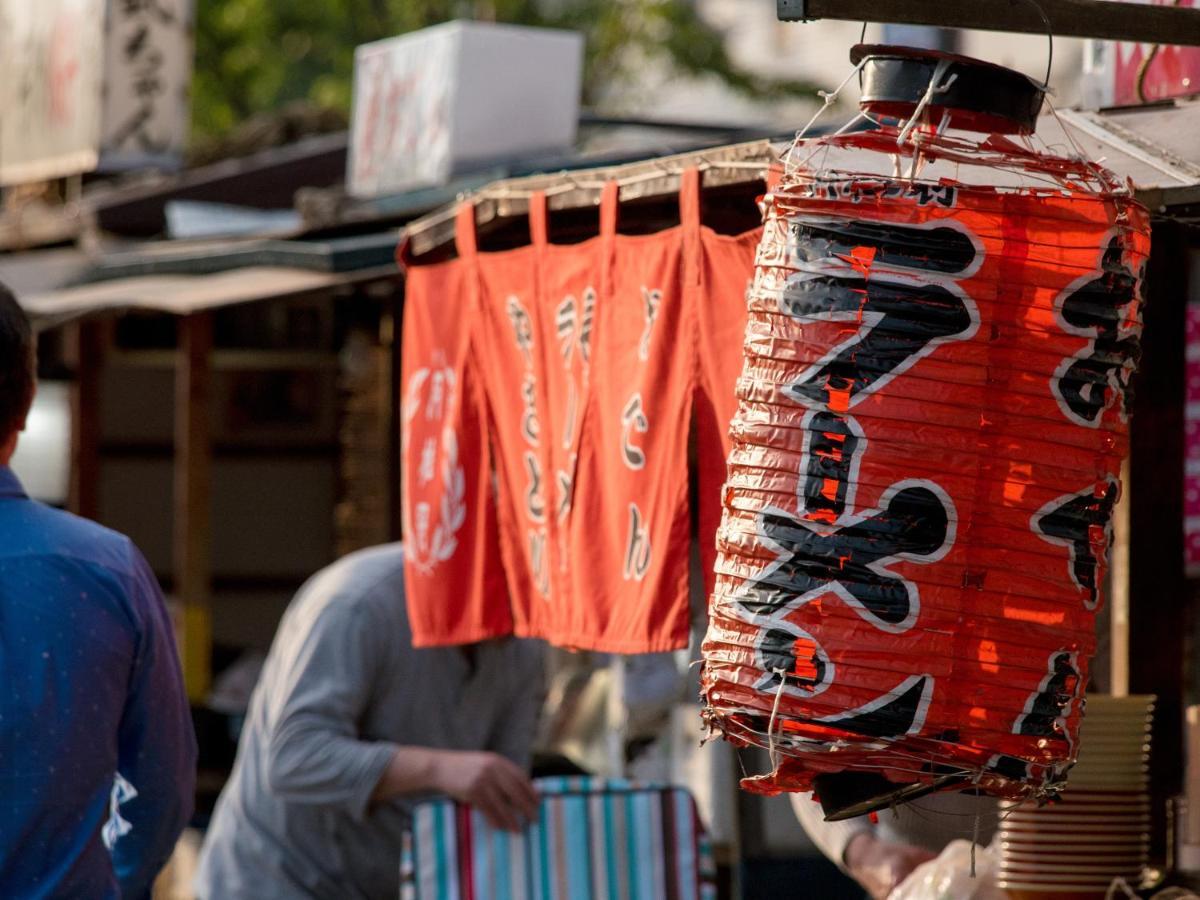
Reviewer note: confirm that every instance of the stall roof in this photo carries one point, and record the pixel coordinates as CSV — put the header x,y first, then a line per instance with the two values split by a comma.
x,y
210,256
37,271
186,294
645,177
267,179
624,142
1153,146
181,277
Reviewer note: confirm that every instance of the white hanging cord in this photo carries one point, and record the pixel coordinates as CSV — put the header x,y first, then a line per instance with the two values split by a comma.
x,y
975,837
829,99
934,88
772,751
1063,125
860,117
918,162
1080,155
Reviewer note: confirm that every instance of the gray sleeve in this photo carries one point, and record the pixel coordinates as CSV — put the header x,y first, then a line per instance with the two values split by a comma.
x,y
515,734
831,838
326,675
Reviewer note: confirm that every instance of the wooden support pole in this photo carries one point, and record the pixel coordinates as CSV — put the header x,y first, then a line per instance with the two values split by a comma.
x,y
393,332
1118,573
1158,589
193,504
1104,19
85,345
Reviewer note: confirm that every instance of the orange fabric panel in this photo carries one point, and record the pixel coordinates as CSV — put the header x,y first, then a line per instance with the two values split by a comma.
x,y
511,353
570,280
629,530
454,581
540,306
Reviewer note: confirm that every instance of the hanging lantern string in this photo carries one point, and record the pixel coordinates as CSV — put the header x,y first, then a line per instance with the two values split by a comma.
x,y
974,839
1082,157
772,750
830,98
934,88
952,150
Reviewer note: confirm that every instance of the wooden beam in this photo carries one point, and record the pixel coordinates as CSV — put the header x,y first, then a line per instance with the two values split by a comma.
x,y
1105,19
192,500
85,348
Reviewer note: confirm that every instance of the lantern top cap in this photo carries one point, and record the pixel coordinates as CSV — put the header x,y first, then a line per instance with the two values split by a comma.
x,y
974,94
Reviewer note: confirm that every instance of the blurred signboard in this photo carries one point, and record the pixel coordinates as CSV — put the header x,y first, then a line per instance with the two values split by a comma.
x,y
50,64
440,101
92,83
147,75
1112,70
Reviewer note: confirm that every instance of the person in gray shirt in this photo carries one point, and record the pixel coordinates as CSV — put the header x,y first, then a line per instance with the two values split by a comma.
x,y
880,853
349,726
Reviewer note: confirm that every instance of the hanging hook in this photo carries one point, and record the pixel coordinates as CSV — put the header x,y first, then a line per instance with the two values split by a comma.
x,y
1050,40
934,88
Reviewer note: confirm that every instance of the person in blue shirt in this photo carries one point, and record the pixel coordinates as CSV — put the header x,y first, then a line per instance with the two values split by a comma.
x,y
97,751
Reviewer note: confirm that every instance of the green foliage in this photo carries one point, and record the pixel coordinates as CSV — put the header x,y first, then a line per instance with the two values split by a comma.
x,y
255,56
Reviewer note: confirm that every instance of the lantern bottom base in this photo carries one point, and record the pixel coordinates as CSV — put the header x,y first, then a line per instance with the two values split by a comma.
x,y
845,795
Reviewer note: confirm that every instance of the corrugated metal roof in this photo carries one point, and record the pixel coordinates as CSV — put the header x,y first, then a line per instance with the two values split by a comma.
x,y
210,256
37,271
185,294
1157,147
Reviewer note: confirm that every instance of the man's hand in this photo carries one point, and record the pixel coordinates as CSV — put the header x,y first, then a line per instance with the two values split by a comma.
x,y
879,866
489,782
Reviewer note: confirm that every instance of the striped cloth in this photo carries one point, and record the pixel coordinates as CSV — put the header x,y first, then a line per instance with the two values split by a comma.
x,y
595,839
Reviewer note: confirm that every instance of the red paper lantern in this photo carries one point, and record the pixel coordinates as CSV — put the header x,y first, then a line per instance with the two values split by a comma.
x,y
933,413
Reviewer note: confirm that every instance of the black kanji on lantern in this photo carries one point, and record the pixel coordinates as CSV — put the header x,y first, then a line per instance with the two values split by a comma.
x,y
1102,308
897,281
851,559
792,656
1072,521
1043,713
833,447
900,711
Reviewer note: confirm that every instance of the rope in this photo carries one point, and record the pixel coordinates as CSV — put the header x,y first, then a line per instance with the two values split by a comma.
x,y
830,98
771,749
975,837
934,88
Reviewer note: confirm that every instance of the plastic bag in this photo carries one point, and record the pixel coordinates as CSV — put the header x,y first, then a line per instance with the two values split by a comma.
x,y
948,877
